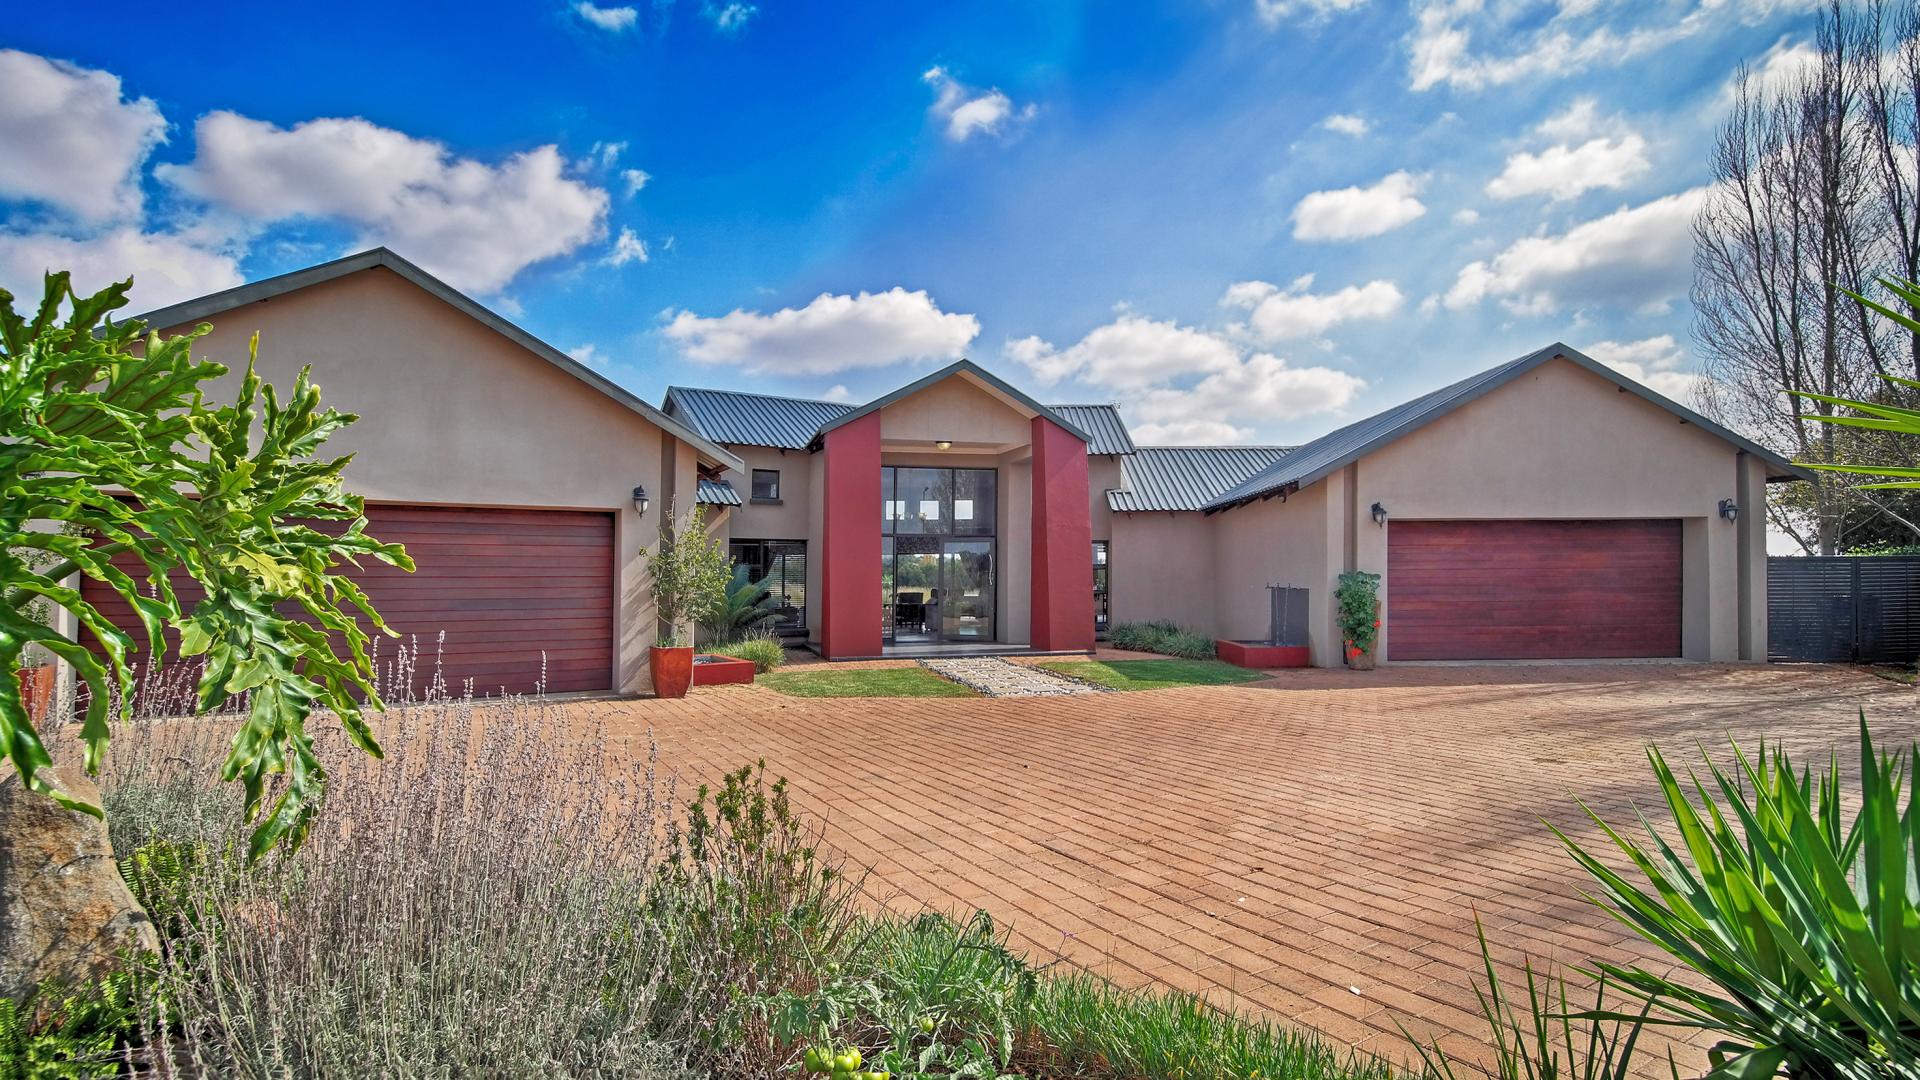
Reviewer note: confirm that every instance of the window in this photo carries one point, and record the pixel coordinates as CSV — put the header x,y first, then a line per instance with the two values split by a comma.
x,y
942,502
782,564
1099,585
766,485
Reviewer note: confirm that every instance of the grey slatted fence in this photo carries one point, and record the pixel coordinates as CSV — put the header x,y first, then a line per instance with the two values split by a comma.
x,y
1862,608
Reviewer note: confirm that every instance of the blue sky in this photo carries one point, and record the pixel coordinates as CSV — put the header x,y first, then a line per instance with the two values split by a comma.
x,y
1244,220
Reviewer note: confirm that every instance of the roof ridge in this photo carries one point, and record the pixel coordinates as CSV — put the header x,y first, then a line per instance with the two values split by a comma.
x,y
1225,446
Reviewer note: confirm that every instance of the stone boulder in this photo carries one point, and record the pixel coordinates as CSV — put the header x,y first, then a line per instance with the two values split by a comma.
x,y
65,912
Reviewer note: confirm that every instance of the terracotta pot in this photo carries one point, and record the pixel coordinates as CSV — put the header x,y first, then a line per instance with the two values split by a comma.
x,y
36,689
672,671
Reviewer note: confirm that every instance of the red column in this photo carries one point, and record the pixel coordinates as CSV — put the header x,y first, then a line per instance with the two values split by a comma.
x,y
1062,540
850,541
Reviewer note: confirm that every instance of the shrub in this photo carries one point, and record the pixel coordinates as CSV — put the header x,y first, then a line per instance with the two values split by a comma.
x,y
1161,636
766,653
77,1032
1791,907
1356,601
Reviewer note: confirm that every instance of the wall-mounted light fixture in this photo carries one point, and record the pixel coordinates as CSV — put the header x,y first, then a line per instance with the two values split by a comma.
x,y
1729,510
1379,515
944,444
640,500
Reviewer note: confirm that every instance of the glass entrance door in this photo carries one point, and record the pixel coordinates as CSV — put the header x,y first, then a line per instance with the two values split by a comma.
x,y
966,602
942,590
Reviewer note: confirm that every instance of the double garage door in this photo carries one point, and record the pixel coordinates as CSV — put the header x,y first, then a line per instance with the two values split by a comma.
x,y
517,594
1533,590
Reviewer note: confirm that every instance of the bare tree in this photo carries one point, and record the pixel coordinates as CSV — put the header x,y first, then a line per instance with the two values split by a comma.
x,y
1813,196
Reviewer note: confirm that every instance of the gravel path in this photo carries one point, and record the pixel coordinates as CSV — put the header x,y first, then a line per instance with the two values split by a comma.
x,y
995,677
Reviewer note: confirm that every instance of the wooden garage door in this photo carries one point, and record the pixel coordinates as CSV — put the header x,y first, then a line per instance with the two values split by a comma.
x,y
1532,590
504,586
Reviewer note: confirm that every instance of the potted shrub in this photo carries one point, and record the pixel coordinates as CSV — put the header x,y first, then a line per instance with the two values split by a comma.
x,y
689,572
1356,600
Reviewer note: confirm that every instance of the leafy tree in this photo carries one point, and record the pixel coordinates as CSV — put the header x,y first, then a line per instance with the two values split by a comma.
x,y
689,573
111,448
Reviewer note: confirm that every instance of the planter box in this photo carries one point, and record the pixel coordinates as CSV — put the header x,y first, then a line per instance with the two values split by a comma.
x,y
709,670
1260,656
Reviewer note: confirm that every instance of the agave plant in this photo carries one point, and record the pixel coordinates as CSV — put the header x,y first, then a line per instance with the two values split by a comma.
x,y
1801,915
746,608
1876,415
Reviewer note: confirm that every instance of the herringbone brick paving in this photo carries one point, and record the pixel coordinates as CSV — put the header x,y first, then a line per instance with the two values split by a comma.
x,y
1314,845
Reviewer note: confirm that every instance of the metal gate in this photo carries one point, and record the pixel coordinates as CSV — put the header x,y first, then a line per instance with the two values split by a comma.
x,y
1861,608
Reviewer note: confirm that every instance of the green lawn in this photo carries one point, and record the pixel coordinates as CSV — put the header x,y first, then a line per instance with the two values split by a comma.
x,y
874,682
1154,674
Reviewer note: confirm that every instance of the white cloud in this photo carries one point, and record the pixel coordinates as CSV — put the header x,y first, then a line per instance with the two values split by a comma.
x,y
1564,172
165,268
474,224
1466,216
967,111
635,179
69,137
607,154
627,248
1275,314
1541,40
588,354
837,392
1347,124
1356,212
1150,362
1780,67
1653,362
1608,154
832,333
732,16
613,20
1261,388
1275,12
1640,255
1130,353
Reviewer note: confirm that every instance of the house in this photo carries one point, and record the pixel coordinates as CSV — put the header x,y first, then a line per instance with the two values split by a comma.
x,y
1548,507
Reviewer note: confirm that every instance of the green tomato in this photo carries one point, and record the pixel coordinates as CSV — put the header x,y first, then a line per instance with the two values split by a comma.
x,y
926,1025
853,1055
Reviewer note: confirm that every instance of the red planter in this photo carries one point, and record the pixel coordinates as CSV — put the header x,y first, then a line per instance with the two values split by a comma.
x,y
36,689
672,671
721,670
1249,654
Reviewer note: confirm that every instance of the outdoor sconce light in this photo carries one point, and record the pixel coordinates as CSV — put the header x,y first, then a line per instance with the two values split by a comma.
x,y
944,444
640,500
1729,510
1379,515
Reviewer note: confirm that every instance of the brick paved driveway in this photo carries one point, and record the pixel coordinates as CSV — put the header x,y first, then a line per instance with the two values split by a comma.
x,y
1313,844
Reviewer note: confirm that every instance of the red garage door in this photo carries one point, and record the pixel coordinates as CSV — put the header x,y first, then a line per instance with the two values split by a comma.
x,y
1532,590
504,586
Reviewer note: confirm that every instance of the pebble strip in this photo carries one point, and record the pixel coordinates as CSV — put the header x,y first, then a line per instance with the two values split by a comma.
x,y
995,677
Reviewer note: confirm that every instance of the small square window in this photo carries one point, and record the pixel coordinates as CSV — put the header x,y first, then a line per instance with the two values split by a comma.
x,y
766,485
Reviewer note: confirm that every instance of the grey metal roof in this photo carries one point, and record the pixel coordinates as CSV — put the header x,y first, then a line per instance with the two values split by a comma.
x,y
202,308
1106,432
1187,477
958,367
715,493
1331,451
743,419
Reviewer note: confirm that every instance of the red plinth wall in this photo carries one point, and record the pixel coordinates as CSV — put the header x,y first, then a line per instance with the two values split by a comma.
x,y
850,540
1062,540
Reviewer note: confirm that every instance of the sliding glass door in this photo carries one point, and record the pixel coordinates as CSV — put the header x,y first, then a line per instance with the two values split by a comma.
x,y
937,554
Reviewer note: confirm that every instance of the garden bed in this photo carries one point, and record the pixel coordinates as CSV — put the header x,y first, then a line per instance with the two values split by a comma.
x,y
1260,655
711,670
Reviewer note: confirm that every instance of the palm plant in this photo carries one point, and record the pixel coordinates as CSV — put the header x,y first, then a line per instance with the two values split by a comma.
x,y
1801,916
746,608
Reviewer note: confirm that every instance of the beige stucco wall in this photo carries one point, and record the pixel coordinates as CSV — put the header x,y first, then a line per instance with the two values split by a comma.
x,y
1295,541
1161,567
959,411
784,520
455,414
1103,475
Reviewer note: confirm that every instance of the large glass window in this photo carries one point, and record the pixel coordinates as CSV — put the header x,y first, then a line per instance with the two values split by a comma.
x,y
782,564
938,502
1100,571
937,553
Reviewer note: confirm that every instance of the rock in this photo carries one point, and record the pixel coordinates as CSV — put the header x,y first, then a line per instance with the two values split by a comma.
x,y
65,912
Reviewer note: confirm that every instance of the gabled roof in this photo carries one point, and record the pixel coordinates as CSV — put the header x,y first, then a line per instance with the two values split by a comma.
x,y
1332,451
1187,477
715,493
205,307
743,419
1106,432
958,367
